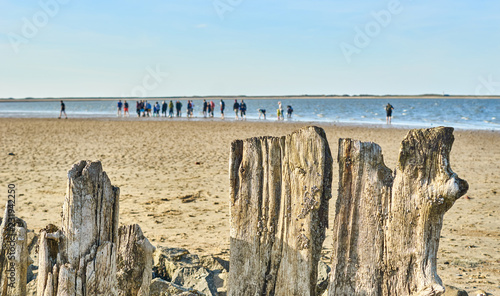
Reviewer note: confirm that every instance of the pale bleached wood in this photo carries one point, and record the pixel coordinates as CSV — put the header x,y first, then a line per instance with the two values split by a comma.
x,y
387,227
13,253
279,192
358,230
83,252
82,257
424,188
134,261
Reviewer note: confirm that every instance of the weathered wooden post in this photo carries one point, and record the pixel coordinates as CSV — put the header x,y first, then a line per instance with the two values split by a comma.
x,y
387,228
134,261
13,253
280,189
358,236
80,259
89,255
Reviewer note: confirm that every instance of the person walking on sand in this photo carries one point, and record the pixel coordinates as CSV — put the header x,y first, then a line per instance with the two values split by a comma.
x,y
170,109
63,110
148,107
158,108
164,109
209,109
388,111
236,108
119,105
178,108
279,112
212,107
125,109
138,108
190,109
205,107
143,108
222,106
243,110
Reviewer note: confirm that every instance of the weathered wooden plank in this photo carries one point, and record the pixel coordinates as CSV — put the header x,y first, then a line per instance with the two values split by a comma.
x,y
280,189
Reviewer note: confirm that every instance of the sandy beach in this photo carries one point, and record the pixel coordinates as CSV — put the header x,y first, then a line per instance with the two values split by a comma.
x,y
158,163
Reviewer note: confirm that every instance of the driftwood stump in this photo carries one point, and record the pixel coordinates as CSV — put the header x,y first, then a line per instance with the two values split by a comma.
x,y
134,261
387,227
13,253
80,259
280,189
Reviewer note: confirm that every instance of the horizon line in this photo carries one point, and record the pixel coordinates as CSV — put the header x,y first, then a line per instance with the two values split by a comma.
x,y
363,96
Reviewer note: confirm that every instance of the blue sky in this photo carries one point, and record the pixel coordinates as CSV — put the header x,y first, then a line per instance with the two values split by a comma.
x,y
74,48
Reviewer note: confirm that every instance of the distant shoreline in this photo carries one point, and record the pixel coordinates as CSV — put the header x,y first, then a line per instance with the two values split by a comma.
x,y
216,120
307,97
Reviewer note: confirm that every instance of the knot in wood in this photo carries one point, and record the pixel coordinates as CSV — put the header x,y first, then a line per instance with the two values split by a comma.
x,y
308,205
303,242
348,162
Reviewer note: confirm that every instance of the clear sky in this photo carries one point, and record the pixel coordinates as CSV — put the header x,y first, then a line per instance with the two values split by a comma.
x,y
76,48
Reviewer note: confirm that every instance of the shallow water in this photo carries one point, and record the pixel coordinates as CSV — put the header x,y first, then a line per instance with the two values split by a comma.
x,y
481,114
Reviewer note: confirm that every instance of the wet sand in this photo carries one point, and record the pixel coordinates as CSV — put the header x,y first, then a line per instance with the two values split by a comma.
x,y
157,163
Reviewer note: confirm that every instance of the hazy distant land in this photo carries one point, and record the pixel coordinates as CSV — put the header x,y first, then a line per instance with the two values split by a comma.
x,y
288,97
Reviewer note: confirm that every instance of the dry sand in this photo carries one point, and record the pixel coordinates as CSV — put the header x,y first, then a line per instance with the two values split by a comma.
x,y
157,162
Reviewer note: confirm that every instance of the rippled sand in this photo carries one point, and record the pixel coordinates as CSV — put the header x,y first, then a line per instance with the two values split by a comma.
x,y
157,163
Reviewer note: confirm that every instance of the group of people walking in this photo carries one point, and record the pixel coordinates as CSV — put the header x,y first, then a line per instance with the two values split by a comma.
x,y
145,109
281,114
209,107
240,108
123,105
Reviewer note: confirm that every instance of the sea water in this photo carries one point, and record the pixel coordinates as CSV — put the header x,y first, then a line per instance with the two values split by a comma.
x,y
481,114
